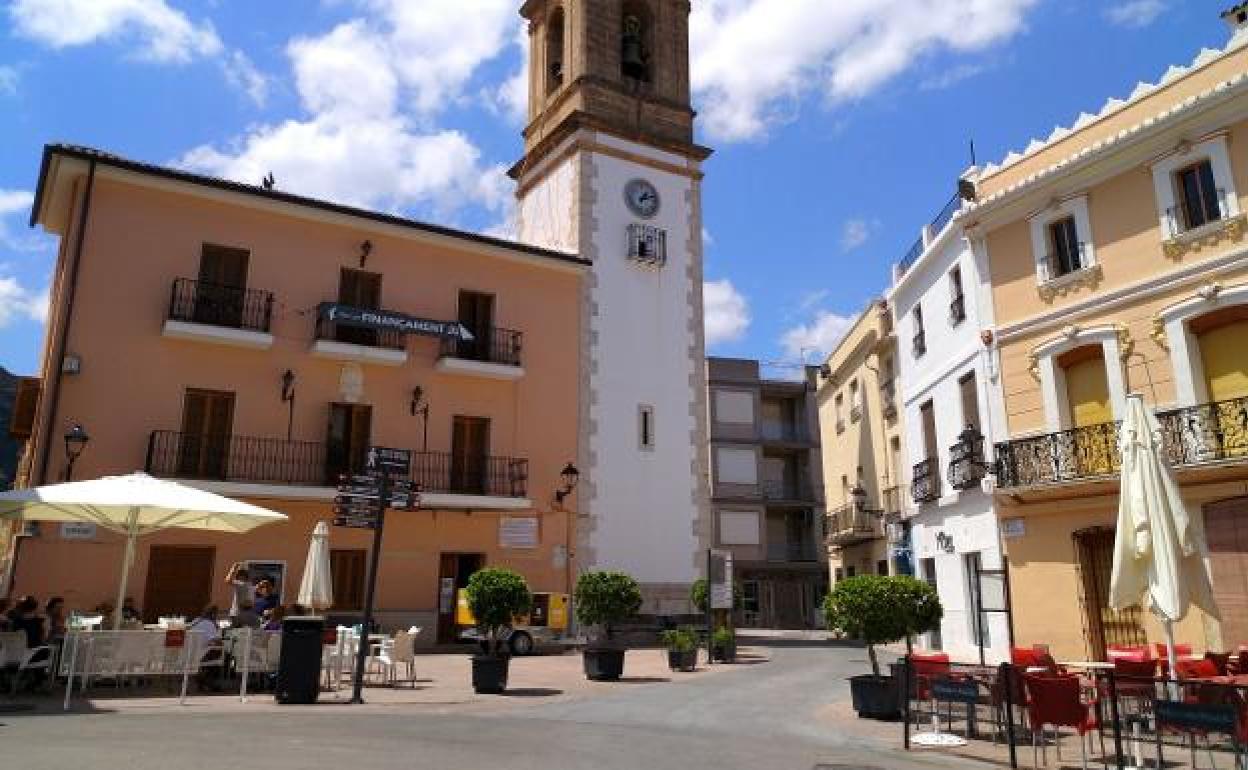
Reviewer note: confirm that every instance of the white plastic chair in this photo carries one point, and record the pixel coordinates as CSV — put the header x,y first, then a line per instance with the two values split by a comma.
x,y
399,651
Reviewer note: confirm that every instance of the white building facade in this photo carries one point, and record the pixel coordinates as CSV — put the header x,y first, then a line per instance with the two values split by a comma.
x,y
949,392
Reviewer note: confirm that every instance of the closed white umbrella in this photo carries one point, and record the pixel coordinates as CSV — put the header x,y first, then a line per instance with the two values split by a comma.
x,y
316,589
134,505
1159,550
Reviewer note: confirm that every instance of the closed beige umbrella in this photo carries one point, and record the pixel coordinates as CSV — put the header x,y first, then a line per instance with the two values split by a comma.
x,y
134,505
1159,549
316,589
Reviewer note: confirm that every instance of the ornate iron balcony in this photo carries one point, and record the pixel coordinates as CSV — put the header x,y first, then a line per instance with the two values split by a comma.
x,y
248,459
495,346
217,305
966,464
925,481
1205,433
850,524
373,338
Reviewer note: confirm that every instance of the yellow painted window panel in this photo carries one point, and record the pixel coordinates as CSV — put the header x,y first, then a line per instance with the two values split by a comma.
x,y
1087,389
1224,353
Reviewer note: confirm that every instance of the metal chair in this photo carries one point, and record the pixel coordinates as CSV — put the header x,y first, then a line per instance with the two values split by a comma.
x,y
1057,701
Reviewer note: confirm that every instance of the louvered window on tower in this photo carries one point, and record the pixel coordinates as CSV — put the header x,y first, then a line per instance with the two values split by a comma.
x,y
647,244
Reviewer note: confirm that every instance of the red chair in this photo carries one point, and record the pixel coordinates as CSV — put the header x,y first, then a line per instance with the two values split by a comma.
x,y
1195,669
1134,679
926,667
1023,657
1115,652
1057,701
1180,651
1221,661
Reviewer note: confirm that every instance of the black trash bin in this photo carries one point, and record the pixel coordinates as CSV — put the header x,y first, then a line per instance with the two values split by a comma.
x,y
299,668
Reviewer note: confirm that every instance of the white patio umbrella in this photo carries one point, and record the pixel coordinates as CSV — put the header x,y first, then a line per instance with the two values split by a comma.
x,y
316,589
1159,549
134,505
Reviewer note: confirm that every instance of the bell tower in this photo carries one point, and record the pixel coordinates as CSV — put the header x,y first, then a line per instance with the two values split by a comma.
x,y
611,171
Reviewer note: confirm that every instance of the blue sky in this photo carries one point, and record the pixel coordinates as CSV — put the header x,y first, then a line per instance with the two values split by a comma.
x,y
839,128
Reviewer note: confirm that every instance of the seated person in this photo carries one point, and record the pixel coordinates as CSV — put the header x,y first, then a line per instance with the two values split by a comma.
x,y
206,625
24,617
57,624
266,597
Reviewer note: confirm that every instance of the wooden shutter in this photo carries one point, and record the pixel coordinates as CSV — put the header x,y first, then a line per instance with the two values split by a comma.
x,y
359,288
25,404
361,435
348,567
470,438
223,266
207,422
970,400
928,413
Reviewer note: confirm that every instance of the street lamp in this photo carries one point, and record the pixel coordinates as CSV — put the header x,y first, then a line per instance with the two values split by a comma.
x,y
76,439
288,396
569,475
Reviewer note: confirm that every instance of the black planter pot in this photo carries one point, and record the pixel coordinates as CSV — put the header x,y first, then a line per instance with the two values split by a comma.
x,y
682,660
875,697
603,664
489,673
725,653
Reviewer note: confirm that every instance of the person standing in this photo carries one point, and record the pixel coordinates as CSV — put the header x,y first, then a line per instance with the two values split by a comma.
x,y
242,591
55,612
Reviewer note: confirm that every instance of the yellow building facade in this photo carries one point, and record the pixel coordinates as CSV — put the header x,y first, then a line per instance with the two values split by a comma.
x,y
1119,265
863,461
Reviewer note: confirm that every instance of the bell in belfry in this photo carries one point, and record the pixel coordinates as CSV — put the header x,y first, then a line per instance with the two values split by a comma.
x,y
633,54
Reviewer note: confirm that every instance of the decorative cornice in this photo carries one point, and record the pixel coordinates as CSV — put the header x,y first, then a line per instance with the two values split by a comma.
x,y
1157,330
1231,229
1089,276
1126,344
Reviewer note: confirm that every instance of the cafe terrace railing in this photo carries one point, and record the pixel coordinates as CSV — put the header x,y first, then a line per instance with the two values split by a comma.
x,y
1194,435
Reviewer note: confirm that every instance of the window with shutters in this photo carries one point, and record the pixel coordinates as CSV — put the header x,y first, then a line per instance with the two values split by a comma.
x,y
207,423
470,446
349,434
362,289
970,399
476,313
348,567
1198,196
221,291
25,404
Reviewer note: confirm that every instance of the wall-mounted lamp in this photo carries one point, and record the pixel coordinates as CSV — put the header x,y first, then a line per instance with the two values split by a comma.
x,y
288,397
416,407
366,248
76,439
569,476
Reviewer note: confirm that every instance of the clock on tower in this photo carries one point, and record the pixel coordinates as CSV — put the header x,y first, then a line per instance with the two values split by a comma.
x,y
611,171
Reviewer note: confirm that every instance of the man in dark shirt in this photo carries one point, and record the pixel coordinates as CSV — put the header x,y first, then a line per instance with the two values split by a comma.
x,y
24,617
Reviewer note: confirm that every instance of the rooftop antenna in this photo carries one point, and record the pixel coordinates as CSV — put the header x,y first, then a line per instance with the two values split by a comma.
x,y
268,181
973,163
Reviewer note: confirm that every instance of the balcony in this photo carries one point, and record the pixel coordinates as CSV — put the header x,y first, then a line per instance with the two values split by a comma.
x,y
1191,437
340,342
850,525
785,433
227,315
892,499
966,463
492,355
793,550
925,481
1201,221
799,492
274,461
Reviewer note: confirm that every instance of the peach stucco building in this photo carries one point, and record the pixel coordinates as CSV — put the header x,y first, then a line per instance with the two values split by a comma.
x,y
1119,265
185,336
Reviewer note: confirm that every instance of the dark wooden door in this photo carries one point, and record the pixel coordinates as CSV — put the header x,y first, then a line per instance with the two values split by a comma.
x,y
179,581
1226,528
347,439
476,313
454,569
1104,625
358,288
348,567
222,284
207,422
470,441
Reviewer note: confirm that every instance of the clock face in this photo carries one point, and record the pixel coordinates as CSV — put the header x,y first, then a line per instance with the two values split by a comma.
x,y
642,198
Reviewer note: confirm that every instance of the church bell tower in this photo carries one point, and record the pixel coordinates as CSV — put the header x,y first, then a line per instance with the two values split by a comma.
x,y
611,172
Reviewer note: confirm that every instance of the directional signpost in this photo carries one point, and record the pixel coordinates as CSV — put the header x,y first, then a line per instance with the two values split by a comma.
x,y
361,503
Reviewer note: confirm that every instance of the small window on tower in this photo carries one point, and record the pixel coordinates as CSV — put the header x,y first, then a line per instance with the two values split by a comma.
x,y
647,244
634,43
554,51
645,426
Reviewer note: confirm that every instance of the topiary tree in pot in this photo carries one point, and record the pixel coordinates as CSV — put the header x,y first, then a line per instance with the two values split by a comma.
x,y
495,597
604,598
921,607
871,608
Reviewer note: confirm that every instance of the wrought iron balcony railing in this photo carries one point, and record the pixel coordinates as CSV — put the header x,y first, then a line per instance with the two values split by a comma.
x,y
373,338
495,346
1205,433
850,524
217,305
925,481
248,459
966,464
912,254
1079,453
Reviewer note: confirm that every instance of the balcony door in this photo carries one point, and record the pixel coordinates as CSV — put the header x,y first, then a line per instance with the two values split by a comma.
x,y
1221,429
1087,396
222,285
347,440
470,442
358,288
476,313
207,421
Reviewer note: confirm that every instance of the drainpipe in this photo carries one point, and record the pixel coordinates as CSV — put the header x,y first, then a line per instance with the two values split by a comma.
x,y
55,363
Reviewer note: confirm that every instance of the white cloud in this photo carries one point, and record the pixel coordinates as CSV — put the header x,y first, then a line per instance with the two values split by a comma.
x,y
8,80
855,232
370,88
951,76
754,60
819,337
160,32
20,304
241,73
726,314
12,204
1135,13
511,98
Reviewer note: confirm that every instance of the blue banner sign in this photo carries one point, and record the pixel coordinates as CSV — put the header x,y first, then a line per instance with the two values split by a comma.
x,y
367,318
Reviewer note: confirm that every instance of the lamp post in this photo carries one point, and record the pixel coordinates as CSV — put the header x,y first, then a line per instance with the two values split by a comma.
x,y
288,397
76,439
569,477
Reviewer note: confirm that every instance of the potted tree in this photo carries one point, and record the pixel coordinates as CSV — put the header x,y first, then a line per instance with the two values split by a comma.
x,y
682,648
724,645
604,598
495,596
878,610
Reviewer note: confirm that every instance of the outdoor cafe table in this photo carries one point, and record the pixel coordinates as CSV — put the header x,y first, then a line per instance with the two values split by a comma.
x,y
1087,665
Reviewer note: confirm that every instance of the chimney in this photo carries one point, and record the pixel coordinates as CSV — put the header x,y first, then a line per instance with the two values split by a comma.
x,y
1236,18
